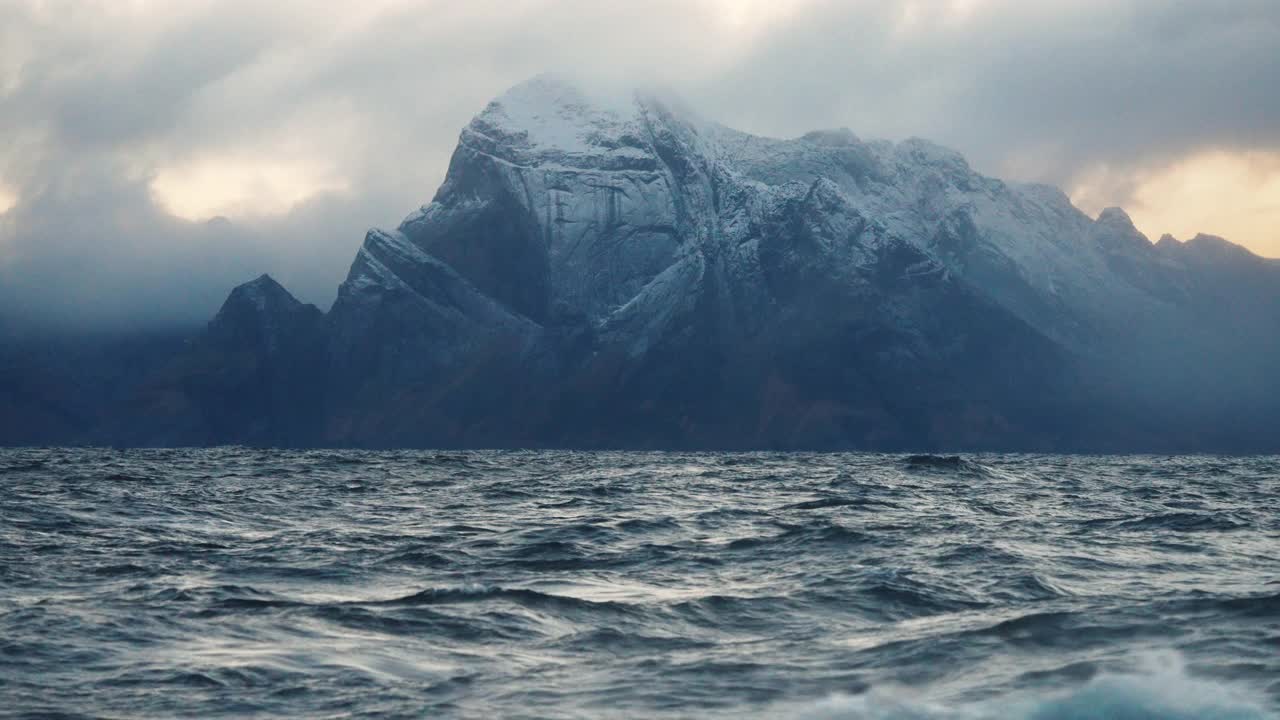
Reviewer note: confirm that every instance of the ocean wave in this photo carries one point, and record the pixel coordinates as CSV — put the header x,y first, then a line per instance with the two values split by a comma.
x,y
838,502
654,585
944,464
482,593
1176,522
1162,690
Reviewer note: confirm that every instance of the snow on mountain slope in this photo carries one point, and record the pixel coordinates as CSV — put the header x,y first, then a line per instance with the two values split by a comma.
x,y
621,272
620,269
609,192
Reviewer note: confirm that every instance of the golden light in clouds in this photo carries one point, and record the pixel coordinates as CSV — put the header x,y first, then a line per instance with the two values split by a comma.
x,y
1235,195
237,187
753,15
1232,194
7,199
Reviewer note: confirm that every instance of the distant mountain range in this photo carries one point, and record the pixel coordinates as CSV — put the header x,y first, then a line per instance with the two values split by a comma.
x,y
622,273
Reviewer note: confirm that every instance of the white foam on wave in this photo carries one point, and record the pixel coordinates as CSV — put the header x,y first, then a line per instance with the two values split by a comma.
x,y
1160,690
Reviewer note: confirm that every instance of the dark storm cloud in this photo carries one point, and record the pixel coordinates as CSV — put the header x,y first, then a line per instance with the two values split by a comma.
x,y
1076,83
97,101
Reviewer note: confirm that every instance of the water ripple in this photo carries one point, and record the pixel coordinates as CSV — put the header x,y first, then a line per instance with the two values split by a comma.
x,y
230,582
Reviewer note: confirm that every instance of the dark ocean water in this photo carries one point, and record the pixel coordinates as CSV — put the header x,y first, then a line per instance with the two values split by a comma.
x,y
242,583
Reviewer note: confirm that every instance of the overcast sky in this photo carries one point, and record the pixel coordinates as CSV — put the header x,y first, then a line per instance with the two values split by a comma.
x,y
129,124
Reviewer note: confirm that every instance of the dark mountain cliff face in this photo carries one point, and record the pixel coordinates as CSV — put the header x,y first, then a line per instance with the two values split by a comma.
x,y
257,373
254,376
590,277
617,272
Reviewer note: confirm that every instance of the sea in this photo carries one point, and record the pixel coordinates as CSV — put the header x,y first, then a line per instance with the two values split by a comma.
x,y
246,583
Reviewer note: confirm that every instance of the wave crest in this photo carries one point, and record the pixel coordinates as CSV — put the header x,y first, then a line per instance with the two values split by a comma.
x,y
1165,692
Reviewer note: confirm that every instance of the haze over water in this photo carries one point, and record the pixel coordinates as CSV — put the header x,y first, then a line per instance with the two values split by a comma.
x,y
245,583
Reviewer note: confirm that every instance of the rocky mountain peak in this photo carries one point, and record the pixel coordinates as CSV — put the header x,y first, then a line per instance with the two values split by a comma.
x,y
1219,250
1115,232
262,293
605,268
261,313
1117,219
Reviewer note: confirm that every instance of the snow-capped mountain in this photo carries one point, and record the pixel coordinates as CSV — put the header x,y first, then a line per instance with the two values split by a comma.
x,y
621,271
554,197
618,271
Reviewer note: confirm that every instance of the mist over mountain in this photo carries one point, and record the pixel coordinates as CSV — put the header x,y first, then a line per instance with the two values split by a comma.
x,y
617,271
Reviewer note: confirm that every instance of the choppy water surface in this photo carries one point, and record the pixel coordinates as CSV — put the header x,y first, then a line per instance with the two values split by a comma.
x,y
236,583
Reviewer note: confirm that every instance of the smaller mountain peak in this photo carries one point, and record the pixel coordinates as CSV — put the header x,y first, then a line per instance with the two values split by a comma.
x,y
261,292
264,281
1117,218
1218,246
1211,249
1114,230
262,314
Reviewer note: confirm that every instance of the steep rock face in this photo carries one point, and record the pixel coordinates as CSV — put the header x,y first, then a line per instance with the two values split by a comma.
x,y
254,377
620,272
416,350
627,274
262,317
